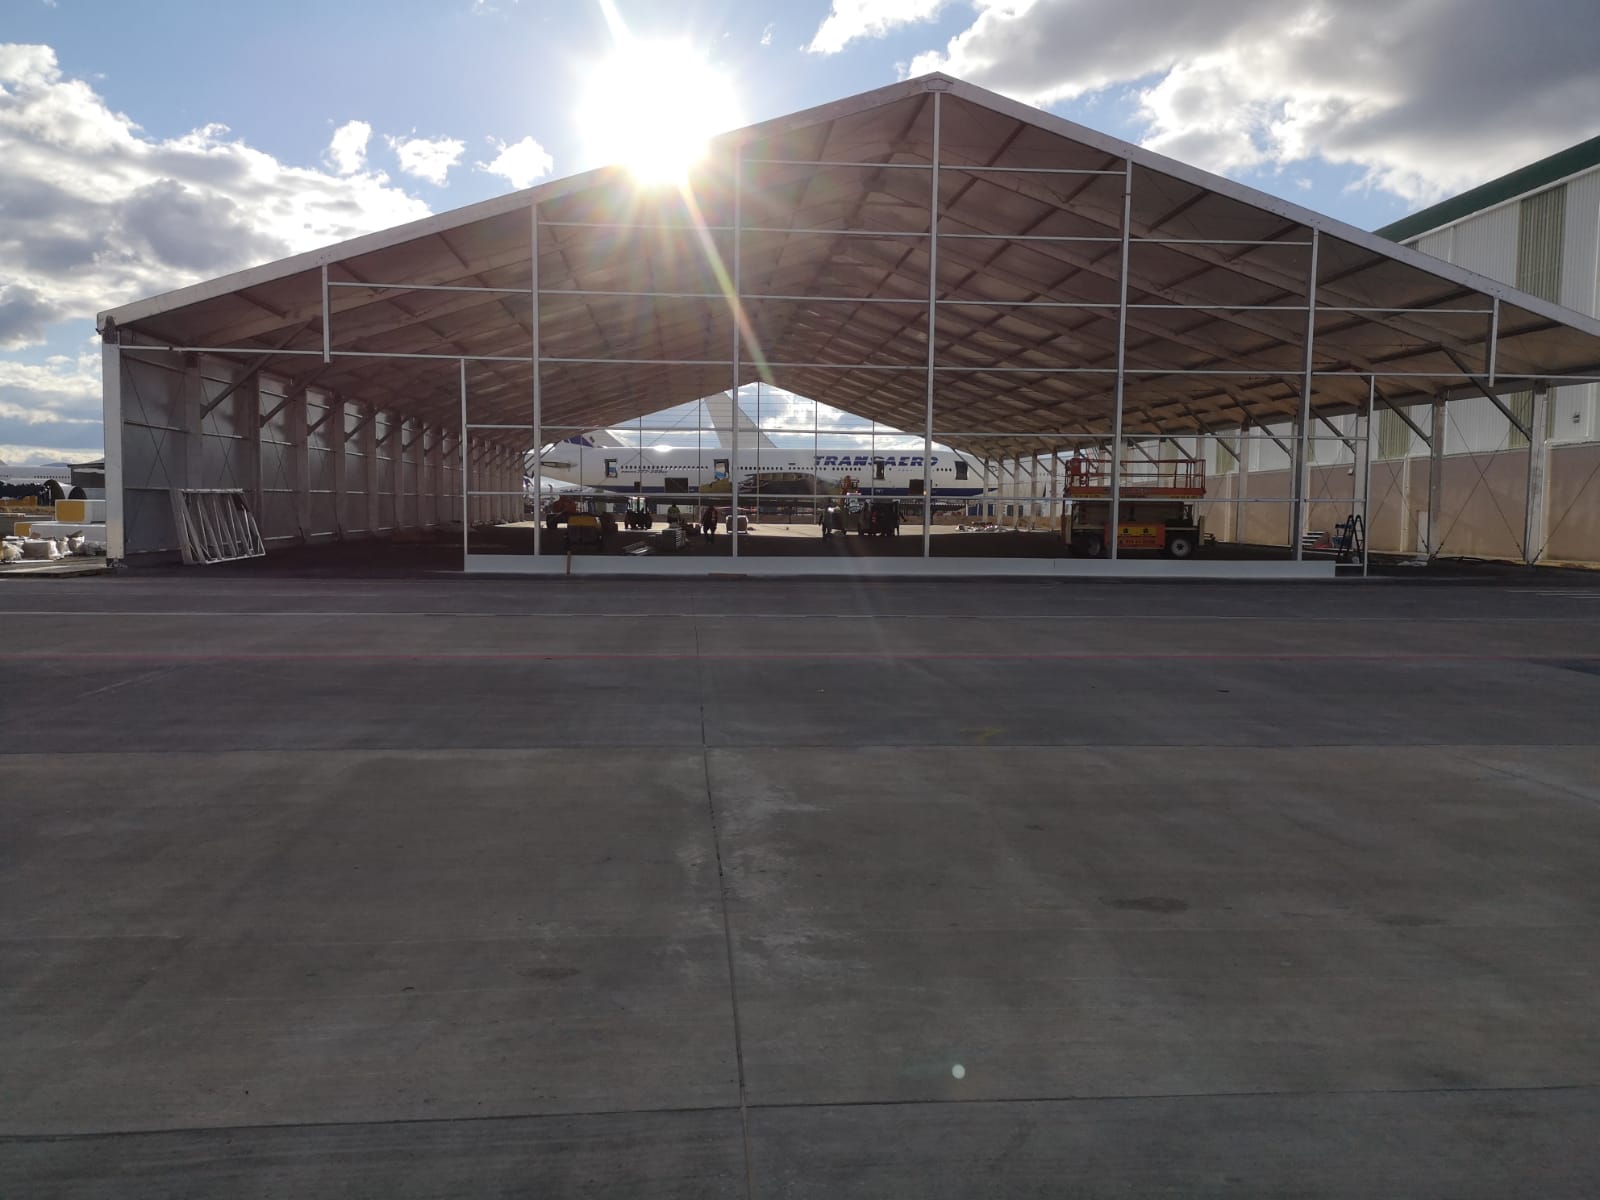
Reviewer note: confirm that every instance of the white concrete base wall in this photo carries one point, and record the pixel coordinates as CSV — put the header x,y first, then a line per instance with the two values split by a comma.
x,y
891,568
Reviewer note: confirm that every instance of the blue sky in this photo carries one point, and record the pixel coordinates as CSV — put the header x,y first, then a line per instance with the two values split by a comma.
x,y
146,148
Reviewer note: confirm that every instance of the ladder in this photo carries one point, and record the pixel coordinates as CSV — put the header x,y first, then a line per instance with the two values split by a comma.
x,y
1350,538
215,525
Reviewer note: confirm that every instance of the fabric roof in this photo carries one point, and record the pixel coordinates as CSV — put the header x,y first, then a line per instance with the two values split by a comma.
x,y
1215,332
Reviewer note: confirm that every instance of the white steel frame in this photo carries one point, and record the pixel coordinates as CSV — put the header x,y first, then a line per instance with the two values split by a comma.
x,y
503,464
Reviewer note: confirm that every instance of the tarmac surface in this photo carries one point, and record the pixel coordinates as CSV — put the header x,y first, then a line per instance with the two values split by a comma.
x,y
406,887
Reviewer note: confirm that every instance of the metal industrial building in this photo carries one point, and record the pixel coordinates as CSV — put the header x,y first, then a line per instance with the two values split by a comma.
x,y
928,255
1537,228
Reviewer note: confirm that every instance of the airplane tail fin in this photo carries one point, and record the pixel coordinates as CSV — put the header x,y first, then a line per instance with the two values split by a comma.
x,y
593,439
721,409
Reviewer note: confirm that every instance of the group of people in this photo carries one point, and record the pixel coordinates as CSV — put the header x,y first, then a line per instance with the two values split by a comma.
x,y
708,520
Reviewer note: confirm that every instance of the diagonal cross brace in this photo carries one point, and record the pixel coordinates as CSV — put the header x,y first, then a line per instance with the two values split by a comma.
x,y
1349,443
252,369
294,393
1427,439
1477,385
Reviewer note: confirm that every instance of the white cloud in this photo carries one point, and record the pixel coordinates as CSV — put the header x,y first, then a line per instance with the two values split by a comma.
x,y
347,152
766,35
1427,97
520,163
97,214
50,410
68,383
849,20
427,158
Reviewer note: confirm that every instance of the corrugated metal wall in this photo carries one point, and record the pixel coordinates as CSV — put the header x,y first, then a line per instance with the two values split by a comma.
x,y
1547,244
1541,232
1487,243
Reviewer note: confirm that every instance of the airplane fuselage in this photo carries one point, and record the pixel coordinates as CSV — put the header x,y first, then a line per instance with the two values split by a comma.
x,y
781,471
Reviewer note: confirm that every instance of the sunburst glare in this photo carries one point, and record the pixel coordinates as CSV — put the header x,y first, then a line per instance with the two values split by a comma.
x,y
652,107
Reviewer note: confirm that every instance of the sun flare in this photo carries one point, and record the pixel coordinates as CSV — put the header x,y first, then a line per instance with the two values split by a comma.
x,y
653,106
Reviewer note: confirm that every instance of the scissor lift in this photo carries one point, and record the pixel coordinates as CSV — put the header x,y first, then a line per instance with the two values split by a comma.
x,y
1156,498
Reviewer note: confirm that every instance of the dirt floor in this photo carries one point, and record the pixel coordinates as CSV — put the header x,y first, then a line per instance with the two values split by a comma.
x,y
806,540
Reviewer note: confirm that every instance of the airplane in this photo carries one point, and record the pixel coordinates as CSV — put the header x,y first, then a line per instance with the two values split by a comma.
x,y
786,471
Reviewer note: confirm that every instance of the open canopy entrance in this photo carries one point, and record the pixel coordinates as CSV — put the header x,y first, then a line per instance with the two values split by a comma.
x,y
930,256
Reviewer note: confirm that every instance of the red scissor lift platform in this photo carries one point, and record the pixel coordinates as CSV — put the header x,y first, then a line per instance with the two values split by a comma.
x,y
1156,509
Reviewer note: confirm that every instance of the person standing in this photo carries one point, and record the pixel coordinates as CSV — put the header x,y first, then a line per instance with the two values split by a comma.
x,y
708,521
827,521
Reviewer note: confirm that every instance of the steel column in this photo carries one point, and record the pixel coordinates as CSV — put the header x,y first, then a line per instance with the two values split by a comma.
x,y
192,403
1122,363
434,456
1302,456
466,515
1241,489
111,395
327,319
933,306
338,439
1435,478
538,390
1494,340
300,458
1533,531
736,310
1366,467
252,448
369,473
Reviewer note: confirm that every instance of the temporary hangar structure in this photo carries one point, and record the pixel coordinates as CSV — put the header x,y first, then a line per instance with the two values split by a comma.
x,y
929,255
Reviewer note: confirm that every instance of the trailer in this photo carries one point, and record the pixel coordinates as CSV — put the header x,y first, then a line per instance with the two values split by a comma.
x,y
1156,501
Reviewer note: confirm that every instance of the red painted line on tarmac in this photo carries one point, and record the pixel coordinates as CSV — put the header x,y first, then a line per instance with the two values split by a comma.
x,y
777,656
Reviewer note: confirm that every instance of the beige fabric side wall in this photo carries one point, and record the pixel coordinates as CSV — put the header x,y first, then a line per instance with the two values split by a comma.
x,y
1572,491
1219,518
1484,499
1330,497
1388,527
1266,524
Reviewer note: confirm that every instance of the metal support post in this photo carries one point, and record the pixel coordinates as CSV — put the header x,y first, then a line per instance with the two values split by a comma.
x,y
1241,491
338,462
538,390
111,396
433,454
933,306
1113,535
1533,531
1302,456
251,392
736,311
1435,478
300,462
466,515
1494,340
192,389
369,473
327,319
397,474
1366,471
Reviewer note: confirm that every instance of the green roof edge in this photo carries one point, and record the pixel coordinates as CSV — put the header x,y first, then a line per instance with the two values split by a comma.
x,y
1486,195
